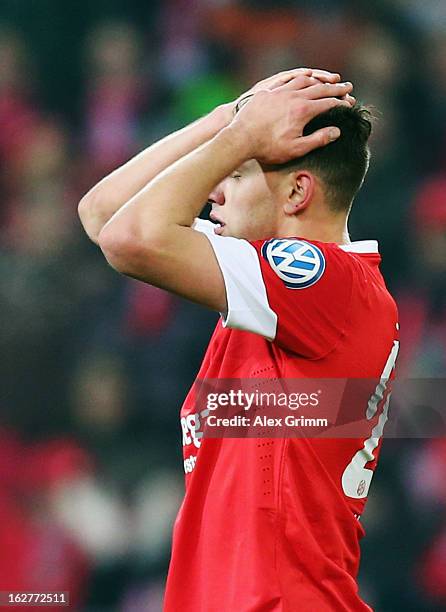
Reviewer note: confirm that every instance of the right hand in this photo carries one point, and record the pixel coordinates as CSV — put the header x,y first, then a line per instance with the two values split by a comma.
x,y
272,122
301,77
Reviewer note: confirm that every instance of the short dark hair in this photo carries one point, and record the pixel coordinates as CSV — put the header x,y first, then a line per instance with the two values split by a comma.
x,y
342,164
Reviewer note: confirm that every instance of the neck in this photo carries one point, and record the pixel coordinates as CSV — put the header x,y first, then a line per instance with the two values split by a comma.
x,y
332,229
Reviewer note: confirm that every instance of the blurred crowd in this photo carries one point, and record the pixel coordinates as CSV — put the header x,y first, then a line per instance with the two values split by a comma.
x,y
95,366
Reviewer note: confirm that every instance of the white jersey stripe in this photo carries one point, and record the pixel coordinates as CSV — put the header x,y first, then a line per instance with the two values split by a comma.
x,y
248,306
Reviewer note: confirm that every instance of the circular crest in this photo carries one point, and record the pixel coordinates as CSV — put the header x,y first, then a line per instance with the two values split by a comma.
x,y
298,263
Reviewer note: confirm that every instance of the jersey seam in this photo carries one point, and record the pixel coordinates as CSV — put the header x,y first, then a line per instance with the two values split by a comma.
x,y
221,252
342,332
341,335
279,511
227,321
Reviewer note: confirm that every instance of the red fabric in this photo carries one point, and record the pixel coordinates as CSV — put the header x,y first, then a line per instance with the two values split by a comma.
x,y
149,309
112,112
37,554
430,206
18,120
416,327
53,462
265,524
327,301
432,570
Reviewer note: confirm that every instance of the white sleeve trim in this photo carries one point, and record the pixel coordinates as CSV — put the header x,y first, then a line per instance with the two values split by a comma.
x,y
248,307
361,246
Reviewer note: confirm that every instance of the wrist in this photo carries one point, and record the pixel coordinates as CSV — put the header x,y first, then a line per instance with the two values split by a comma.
x,y
240,142
222,116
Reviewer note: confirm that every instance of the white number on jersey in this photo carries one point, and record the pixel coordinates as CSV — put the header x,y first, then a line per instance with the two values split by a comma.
x,y
356,478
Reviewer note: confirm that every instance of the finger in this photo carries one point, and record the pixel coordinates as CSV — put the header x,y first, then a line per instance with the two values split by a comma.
x,y
317,139
327,90
299,82
293,72
350,99
325,76
279,79
288,78
285,78
282,77
317,107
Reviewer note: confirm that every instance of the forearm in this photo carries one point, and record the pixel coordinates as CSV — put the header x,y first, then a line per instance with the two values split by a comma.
x,y
176,196
113,191
150,238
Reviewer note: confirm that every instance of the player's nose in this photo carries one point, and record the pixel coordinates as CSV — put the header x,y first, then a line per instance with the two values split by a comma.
x,y
217,196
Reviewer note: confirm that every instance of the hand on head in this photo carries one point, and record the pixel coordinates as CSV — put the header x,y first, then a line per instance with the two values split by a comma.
x,y
313,76
274,113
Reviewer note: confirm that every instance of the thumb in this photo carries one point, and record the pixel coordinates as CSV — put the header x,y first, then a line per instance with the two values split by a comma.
x,y
320,138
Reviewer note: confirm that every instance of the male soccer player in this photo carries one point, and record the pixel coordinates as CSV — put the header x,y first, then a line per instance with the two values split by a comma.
x,y
266,524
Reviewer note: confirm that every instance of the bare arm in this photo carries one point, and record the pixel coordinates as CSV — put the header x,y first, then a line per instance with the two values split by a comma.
x,y
151,238
113,191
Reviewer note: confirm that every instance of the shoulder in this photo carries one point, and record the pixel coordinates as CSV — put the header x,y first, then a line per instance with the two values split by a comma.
x,y
300,263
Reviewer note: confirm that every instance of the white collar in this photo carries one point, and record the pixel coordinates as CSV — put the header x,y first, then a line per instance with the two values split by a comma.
x,y
360,246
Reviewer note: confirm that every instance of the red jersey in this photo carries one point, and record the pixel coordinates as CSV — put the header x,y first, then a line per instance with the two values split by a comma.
x,y
272,525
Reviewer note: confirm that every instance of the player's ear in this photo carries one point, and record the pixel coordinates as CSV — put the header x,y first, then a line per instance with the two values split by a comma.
x,y
300,189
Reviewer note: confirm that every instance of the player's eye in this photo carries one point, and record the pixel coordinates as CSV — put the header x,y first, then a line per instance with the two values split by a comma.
x,y
236,175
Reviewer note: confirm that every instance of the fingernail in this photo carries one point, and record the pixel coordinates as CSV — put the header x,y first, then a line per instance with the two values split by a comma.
x,y
333,134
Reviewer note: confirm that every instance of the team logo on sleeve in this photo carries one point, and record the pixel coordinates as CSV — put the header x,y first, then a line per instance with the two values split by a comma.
x,y
298,263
